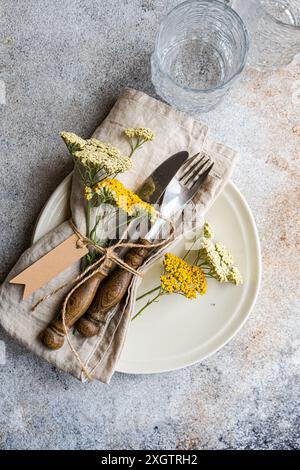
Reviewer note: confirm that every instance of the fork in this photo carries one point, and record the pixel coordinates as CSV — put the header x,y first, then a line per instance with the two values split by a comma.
x,y
178,194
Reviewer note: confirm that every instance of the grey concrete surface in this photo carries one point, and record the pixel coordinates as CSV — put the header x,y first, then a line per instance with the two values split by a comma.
x,y
63,64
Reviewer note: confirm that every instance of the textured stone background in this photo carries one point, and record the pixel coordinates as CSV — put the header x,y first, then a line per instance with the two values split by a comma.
x,y
63,63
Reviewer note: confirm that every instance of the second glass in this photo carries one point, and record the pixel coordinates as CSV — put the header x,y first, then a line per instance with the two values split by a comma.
x,y
201,49
274,29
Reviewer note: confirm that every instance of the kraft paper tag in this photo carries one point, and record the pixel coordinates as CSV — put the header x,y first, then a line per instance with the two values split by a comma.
x,y
50,265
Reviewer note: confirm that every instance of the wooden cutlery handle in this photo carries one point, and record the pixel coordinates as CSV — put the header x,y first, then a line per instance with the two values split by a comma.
x,y
111,292
78,303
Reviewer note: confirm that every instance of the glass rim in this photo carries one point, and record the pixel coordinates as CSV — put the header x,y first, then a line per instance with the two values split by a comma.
x,y
279,22
243,62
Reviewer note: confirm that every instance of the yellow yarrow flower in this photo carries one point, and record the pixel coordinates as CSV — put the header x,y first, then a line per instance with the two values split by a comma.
x,y
93,153
182,278
123,198
212,260
129,132
235,276
219,260
208,231
225,255
141,133
95,161
88,193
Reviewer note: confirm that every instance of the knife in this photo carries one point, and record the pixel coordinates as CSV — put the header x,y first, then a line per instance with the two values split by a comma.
x,y
111,292
79,302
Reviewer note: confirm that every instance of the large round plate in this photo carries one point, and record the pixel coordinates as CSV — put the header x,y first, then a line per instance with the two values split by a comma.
x,y
176,332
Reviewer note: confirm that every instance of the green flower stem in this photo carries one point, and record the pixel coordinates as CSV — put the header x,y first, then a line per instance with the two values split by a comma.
x,y
88,218
138,145
133,149
148,293
188,251
94,230
160,293
80,172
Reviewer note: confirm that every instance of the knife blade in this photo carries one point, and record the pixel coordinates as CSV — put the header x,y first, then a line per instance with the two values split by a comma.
x,y
154,186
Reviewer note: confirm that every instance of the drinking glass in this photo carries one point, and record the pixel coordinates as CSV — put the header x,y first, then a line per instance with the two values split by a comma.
x,y
274,31
200,50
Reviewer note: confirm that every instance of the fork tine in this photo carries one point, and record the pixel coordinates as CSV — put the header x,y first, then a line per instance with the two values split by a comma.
x,y
195,172
199,181
188,162
198,171
191,169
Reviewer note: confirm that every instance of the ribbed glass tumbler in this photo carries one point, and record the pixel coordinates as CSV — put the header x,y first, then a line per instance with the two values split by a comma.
x,y
274,30
200,50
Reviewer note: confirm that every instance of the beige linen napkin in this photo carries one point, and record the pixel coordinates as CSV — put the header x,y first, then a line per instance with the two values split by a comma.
x,y
174,131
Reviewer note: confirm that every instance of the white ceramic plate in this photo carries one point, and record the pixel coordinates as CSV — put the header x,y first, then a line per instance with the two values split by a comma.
x,y
177,332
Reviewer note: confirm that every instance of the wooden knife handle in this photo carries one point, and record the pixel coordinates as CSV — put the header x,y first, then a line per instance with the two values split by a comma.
x,y
53,336
111,292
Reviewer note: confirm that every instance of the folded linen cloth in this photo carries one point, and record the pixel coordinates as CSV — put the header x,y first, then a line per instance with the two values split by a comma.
x,y
175,131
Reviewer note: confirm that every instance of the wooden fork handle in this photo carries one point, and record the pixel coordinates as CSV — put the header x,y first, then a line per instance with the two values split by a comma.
x,y
53,336
111,292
